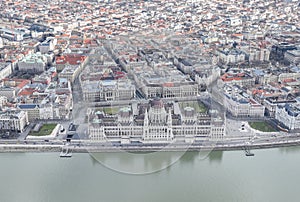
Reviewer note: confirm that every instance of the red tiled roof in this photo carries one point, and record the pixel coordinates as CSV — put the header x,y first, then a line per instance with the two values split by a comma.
x,y
20,83
27,91
72,59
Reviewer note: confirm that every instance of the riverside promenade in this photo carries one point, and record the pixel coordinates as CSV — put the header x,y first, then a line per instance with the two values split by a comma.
x,y
84,146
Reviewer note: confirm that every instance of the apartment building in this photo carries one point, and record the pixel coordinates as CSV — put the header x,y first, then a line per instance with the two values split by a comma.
x,y
13,120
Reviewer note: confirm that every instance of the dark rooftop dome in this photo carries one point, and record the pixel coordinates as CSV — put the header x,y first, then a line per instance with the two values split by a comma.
x,y
157,103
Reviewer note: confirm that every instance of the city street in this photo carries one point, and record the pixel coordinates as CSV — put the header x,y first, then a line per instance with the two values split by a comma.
x,y
79,111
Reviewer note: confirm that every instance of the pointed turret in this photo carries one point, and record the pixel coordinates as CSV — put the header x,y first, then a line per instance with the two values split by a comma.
x,y
146,119
169,121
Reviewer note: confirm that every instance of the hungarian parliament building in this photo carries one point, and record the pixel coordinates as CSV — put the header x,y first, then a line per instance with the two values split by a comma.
x,y
154,121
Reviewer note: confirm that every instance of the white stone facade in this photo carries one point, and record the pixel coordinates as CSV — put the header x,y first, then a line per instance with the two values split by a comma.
x,y
35,62
108,90
13,121
289,115
293,56
240,104
5,70
153,122
231,56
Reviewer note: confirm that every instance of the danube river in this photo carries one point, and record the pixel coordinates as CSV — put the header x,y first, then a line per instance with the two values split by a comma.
x,y
271,175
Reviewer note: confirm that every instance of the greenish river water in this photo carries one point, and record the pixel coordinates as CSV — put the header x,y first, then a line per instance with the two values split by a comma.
x,y
271,175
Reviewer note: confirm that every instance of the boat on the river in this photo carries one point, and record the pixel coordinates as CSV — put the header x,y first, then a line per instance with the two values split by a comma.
x,y
66,152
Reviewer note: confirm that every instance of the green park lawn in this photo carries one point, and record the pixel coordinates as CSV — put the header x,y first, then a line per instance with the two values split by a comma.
x,y
108,110
199,107
111,110
46,129
262,126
